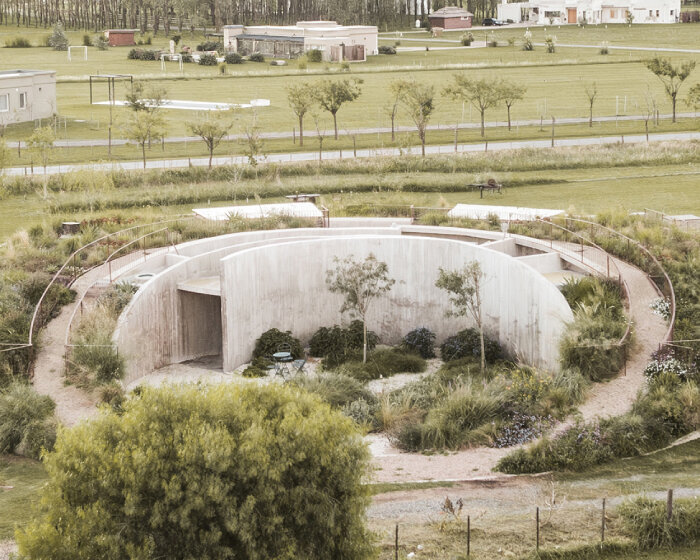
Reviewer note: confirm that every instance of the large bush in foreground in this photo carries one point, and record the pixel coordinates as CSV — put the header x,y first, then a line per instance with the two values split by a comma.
x,y
26,420
218,472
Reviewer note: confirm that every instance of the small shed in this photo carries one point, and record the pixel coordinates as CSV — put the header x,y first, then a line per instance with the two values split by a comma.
x,y
120,37
451,17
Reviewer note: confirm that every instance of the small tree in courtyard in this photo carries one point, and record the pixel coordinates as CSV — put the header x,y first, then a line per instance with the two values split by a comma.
x,y
211,127
360,282
331,95
510,93
206,472
398,91
672,77
301,99
464,289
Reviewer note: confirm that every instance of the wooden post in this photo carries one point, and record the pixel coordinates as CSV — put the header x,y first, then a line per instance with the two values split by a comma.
x,y
396,543
669,505
294,135
456,139
486,146
354,146
469,535
537,524
552,132
602,524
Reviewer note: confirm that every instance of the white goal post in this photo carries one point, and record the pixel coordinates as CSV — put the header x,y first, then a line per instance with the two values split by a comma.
x,y
77,47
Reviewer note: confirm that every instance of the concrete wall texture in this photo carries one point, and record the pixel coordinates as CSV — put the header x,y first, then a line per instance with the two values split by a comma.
x,y
521,308
278,279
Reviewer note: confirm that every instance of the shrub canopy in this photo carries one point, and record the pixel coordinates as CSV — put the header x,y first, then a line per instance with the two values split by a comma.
x,y
241,472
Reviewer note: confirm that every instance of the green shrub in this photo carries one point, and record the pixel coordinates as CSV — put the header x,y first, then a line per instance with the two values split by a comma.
x,y
257,57
87,40
336,344
186,57
386,49
421,341
336,389
314,55
233,58
208,60
384,363
447,425
363,412
26,420
271,341
58,40
466,343
112,394
221,471
18,43
259,367
142,54
100,360
647,521
466,39
101,43
210,46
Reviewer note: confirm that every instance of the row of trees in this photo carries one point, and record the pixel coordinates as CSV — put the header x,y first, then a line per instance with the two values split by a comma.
x,y
157,15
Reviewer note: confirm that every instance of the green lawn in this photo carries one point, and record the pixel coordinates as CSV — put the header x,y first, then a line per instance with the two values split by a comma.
x,y
555,82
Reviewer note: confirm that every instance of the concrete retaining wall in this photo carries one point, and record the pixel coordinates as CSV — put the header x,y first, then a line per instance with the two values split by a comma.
x,y
288,291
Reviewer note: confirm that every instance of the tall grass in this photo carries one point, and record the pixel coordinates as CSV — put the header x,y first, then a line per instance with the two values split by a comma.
x,y
648,523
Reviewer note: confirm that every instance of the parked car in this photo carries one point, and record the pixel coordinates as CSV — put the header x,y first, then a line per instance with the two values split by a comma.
x,y
492,21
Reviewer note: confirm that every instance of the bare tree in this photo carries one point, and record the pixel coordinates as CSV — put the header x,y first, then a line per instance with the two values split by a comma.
x,y
482,94
360,282
211,127
301,99
419,100
398,91
41,142
464,289
672,77
591,91
320,134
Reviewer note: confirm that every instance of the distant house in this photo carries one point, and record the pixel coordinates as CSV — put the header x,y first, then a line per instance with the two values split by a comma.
x,y
336,42
120,37
451,17
558,12
26,95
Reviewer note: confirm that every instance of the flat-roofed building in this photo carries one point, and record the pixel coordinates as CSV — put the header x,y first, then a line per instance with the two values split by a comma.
x,y
27,95
336,42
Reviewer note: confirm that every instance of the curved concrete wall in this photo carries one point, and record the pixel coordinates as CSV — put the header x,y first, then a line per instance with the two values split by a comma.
x,y
288,291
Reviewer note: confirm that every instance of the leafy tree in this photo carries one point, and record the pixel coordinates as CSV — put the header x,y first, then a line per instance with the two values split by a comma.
x,y
41,143
464,289
398,91
301,99
320,133
672,77
141,98
58,40
591,92
332,94
693,99
360,282
211,127
215,472
510,93
143,126
253,140
483,94
419,101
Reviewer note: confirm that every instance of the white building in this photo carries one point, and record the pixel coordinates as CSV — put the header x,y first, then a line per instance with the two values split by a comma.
x,y
336,42
26,95
558,12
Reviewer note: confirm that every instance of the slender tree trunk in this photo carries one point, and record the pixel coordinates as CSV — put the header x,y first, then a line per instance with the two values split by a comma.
x,y
508,106
211,155
422,142
483,349
483,112
143,150
590,117
301,130
335,124
393,118
673,105
364,341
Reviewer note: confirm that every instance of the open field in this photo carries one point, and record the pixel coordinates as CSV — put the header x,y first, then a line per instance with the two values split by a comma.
x,y
555,85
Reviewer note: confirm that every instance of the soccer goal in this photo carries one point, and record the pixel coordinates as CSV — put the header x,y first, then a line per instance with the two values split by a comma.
x,y
77,47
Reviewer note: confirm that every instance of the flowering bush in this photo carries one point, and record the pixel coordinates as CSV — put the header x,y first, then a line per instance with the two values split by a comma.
x,y
661,306
525,385
521,429
664,361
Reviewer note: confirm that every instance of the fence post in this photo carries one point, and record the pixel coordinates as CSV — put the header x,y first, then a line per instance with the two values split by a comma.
x,y
669,505
396,543
537,524
469,535
602,525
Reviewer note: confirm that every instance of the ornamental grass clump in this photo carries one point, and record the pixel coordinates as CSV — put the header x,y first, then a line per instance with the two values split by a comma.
x,y
647,521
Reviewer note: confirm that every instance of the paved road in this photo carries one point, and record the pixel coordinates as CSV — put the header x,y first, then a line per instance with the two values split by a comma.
x,y
362,153
371,130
